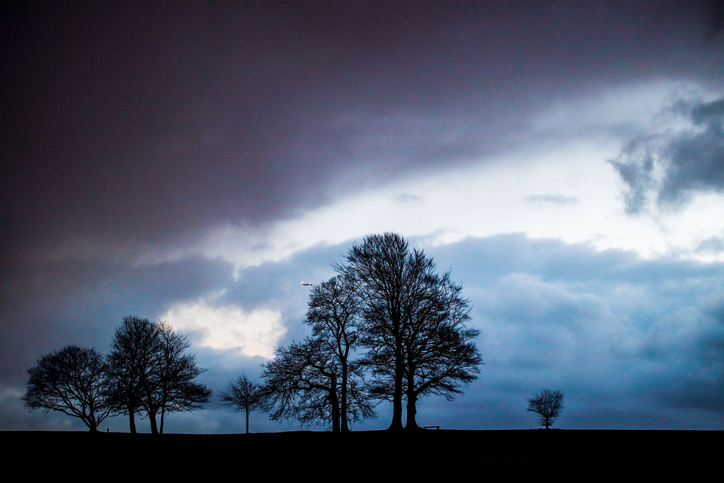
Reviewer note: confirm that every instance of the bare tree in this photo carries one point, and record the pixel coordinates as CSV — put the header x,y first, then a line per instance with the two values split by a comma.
x,y
379,269
131,363
243,395
414,324
302,382
334,312
72,381
175,386
151,373
440,354
548,405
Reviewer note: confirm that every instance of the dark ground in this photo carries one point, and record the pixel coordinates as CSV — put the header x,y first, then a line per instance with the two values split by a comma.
x,y
580,455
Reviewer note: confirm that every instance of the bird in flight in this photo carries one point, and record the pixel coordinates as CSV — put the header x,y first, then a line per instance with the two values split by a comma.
x,y
306,284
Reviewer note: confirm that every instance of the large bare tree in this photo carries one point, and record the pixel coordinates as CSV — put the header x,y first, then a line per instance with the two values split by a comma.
x,y
440,355
414,324
72,381
131,362
151,373
334,315
175,387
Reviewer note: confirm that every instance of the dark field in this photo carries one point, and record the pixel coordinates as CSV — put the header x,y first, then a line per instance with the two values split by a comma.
x,y
580,455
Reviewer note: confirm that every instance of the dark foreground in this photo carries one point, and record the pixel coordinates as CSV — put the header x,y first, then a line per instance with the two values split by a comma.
x,y
565,454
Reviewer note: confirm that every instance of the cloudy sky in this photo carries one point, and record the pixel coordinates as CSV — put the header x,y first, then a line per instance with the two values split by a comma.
x,y
195,164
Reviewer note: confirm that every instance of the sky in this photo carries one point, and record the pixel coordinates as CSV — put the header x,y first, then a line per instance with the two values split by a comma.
x,y
195,162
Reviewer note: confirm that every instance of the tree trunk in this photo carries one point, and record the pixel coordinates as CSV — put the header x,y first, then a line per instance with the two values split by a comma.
x,y
247,420
343,411
154,427
396,424
91,422
411,407
132,419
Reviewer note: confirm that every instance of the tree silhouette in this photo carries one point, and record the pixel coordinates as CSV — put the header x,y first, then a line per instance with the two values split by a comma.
x,y
243,395
72,381
151,373
334,311
548,405
414,324
131,363
175,388
302,382
440,354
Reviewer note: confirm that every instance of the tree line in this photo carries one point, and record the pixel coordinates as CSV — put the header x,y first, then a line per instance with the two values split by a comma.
x,y
147,373
387,326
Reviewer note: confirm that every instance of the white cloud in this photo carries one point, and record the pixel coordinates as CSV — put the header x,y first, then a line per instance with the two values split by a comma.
x,y
254,333
488,199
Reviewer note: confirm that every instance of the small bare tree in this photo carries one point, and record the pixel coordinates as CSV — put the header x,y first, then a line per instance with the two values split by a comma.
x,y
548,405
243,395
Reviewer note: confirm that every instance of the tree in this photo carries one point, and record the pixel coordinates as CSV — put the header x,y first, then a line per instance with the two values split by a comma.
x,y
173,388
243,395
302,382
334,311
548,405
131,362
414,324
151,372
73,381
440,354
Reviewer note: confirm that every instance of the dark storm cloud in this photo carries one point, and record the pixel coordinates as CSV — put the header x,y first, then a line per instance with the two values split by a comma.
x,y
673,165
145,124
716,15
